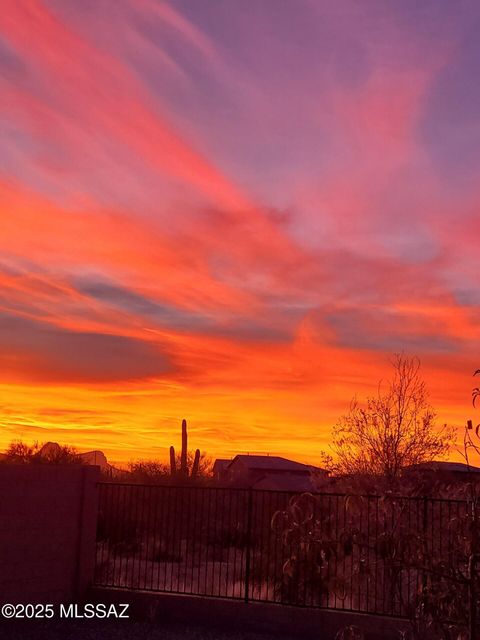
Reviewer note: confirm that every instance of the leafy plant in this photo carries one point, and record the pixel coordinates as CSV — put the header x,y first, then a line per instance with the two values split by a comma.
x,y
385,554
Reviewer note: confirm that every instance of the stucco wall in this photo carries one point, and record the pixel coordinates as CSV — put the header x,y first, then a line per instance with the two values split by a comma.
x,y
47,532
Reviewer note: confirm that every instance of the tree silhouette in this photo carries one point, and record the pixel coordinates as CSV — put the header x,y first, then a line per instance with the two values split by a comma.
x,y
19,452
391,431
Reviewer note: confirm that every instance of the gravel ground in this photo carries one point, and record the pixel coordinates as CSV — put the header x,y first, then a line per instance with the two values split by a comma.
x,y
117,630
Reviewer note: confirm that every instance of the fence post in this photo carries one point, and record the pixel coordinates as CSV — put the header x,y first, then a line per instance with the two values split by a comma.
x,y
249,543
87,522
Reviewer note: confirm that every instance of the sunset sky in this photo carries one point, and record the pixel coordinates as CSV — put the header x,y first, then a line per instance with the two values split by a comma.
x,y
235,212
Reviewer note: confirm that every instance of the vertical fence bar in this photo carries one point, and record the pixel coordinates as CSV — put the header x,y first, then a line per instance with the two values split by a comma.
x,y
226,532
425,545
472,609
161,535
249,543
154,497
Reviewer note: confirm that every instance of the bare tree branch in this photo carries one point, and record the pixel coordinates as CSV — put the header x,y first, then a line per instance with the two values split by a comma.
x,y
393,430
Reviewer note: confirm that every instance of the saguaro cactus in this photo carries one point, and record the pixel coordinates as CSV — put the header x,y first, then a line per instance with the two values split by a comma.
x,y
183,471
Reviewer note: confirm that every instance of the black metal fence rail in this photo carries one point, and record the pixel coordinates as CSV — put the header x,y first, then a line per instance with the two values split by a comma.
x,y
358,553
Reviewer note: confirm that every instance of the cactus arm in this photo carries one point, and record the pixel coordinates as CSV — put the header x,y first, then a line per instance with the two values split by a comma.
x,y
196,464
173,467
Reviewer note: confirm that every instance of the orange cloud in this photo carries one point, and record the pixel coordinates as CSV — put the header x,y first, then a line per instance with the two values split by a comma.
x,y
140,279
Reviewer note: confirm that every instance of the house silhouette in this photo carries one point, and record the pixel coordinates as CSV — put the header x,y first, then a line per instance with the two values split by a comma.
x,y
266,472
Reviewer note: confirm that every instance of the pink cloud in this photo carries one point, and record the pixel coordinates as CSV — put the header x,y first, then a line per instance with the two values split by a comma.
x,y
99,91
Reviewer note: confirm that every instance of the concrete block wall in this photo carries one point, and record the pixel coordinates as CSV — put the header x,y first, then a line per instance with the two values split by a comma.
x,y
48,516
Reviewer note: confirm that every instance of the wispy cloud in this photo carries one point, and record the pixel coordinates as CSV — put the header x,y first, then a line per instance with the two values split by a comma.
x,y
232,216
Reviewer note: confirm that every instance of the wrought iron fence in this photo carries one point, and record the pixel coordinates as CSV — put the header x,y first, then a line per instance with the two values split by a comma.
x,y
371,554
